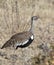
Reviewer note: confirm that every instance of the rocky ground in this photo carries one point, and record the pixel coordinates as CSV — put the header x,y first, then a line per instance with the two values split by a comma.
x,y
15,17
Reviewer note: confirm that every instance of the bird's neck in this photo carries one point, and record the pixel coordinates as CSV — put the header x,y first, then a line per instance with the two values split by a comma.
x,y
32,27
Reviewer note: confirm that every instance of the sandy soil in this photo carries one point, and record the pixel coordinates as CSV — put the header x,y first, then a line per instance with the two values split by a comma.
x,y
15,18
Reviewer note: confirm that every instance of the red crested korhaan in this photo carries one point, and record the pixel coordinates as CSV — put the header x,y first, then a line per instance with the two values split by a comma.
x,y
22,39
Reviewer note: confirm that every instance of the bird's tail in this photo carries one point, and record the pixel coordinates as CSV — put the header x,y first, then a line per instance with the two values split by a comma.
x,y
5,44
2,47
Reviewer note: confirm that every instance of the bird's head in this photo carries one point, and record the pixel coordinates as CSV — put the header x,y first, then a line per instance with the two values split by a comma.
x,y
34,18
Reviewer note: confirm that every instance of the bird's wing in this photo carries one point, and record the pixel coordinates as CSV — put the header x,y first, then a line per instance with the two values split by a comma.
x,y
21,37
20,44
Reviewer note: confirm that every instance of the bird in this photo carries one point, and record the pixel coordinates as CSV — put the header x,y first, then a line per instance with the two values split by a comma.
x,y
22,39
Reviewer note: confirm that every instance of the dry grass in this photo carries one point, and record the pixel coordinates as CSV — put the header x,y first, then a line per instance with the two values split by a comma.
x,y
15,17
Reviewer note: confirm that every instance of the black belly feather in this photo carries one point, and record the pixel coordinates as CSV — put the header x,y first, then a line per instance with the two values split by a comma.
x,y
25,45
